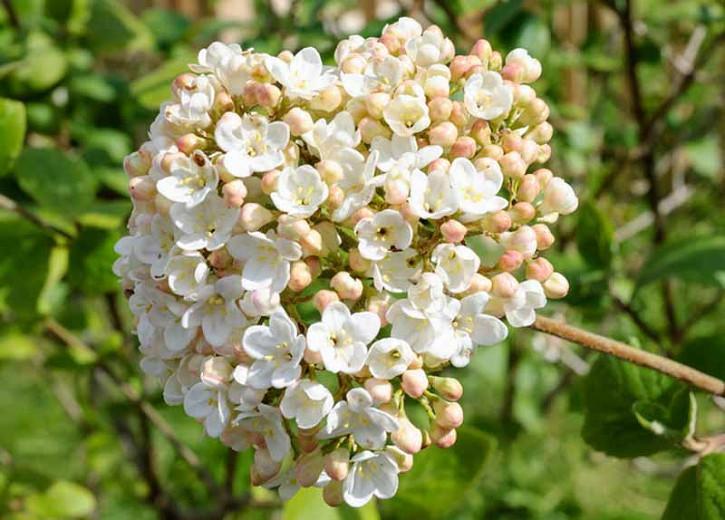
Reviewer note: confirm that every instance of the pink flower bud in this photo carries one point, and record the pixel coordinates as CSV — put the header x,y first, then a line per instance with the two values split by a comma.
x,y
353,64
311,357
495,62
307,440
510,260
492,151
436,86
327,100
443,438
414,382
379,305
298,120
223,102
142,188
183,82
254,216
234,193
312,243
453,231
544,154
479,283
522,212
448,388
536,112
498,222
330,171
504,285
137,163
482,49
336,196
512,165
292,228
332,494
308,468
522,240
357,262
375,103
313,263
541,133
300,276
460,65
481,132
528,189
260,302
543,175
440,109
380,390
268,95
539,269
529,151
269,181
459,114
188,143
559,197
511,142
441,164
263,468
361,214
557,286
443,134
347,287
464,146
337,464
407,437
513,72
323,298
544,237
448,414
402,459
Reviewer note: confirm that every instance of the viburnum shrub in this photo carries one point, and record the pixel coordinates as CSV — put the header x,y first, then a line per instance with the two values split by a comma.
x,y
311,246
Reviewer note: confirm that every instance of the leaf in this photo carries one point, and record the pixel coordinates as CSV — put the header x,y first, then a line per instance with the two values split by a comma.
x,y
55,181
438,483
705,353
501,15
51,294
705,156
307,504
116,28
12,132
91,258
43,66
614,391
155,88
695,259
675,422
63,499
699,493
594,234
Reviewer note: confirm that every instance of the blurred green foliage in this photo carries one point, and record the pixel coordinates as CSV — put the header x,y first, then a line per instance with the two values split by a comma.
x,y
79,83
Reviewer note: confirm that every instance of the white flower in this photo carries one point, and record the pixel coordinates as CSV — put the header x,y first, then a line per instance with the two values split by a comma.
x,y
300,191
430,48
341,338
214,56
260,302
431,196
304,76
190,179
520,308
327,139
357,182
456,265
476,191
205,226
307,402
396,149
372,474
267,259
155,248
530,67
216,309
208,405
195,103
186,273
559,197
357,416
379,76
407,115
389,357
395,272
474,327
229,63
486,96
267,421
251,143
382,233
277,350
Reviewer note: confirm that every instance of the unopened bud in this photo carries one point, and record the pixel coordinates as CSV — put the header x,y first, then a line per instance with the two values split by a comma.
x,y
337,464
539,269
443,134
263,468
299,121
323,298
541,133
544,237
513,165
498,222
300,276
448,388
327,100
407,437
308,468
481,132
459,115
332,494
482,49
234,193
440,164
371,128
330,171
347,287
312,243
357,262
504,285
380,390
510,260
414,382
440,109
142,188
557,286
375,103
448,414
292,228
528,189
523,212
522,240
442,437
189,143
464,146
137,163
492,151
453,231
220,259
216,372
254,216
269,181
479,283
314,264
559,197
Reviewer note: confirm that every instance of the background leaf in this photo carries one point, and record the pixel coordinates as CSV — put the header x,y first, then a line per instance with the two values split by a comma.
x,y
697,259
12,132
699,493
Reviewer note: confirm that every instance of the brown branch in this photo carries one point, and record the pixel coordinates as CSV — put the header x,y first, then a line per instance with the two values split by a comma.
x,y
9,204
626,352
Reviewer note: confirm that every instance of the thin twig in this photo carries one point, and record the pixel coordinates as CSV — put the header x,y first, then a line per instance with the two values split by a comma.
x,y
9,204
626,352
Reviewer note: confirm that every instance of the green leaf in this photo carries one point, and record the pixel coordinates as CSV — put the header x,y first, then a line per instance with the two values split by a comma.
x,y
487,249
12,132
63,499
91,258
705,156
155,88
695,259
307,504
705,353
43,66
437,485
699,493
56,181
52,294
116,28
614,392
675,422
594,234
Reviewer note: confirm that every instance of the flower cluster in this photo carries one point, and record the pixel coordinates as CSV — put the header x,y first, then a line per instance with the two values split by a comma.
x,y
310,246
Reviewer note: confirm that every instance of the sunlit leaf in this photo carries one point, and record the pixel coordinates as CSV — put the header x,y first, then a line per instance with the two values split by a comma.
x,y
12,132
